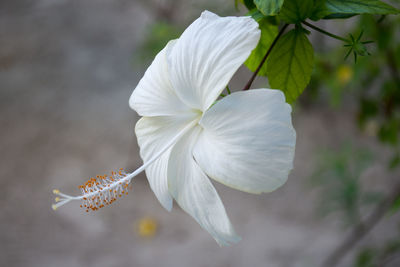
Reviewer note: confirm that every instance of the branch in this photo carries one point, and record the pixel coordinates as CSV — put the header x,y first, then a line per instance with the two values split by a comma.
x,y
361,229
325,32
247,86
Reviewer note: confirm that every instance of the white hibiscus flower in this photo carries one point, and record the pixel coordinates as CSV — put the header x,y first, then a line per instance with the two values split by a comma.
x,y
245,140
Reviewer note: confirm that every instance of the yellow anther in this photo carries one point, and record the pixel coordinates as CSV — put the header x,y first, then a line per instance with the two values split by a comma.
x,y
54,207
56,191
57,199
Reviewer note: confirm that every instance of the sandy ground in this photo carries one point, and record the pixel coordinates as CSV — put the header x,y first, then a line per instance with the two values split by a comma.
x,y
66,74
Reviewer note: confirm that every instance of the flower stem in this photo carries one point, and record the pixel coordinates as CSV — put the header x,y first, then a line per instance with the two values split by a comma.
x,y
325,32
247,86
228,90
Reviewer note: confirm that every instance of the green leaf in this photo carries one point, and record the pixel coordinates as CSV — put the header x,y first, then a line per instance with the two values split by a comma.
x,y
290,64
256,14
249,4
339,16
328,7
268,33
269,7
295,11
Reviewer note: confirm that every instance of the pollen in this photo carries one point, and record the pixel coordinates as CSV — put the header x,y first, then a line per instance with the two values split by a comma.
x,y
103,190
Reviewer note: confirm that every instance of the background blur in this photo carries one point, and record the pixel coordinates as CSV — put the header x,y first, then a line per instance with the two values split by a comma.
x,y
67,69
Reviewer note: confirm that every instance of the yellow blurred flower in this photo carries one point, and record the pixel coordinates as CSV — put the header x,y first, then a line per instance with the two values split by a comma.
x,y
146,227
344,74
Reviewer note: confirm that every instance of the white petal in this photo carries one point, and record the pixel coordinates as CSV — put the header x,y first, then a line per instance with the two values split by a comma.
x,y
248,141
154,95
153,133
194,192
206,56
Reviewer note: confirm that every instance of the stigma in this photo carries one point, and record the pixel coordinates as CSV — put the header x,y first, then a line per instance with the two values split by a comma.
x,y
98,191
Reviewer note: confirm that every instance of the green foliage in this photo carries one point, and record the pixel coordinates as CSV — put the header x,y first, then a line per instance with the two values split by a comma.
x,y
249,4
333,16
342,7
373,82
259,17
295,11
365,258
357,47
290,64
269,7
256,15
268,34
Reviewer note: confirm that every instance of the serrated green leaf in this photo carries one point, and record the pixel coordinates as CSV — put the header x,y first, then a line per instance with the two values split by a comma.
x,y
327,7
269,7
290,64
268,33
294,11
360,7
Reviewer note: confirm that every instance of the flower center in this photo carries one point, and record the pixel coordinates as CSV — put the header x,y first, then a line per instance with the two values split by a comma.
x,y
198,112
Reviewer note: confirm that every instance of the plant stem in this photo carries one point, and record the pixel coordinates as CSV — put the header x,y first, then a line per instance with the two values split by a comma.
x,y
247,86
228,90
325,32
361,229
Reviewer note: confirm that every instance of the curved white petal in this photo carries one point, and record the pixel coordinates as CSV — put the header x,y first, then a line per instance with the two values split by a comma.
x,y
154,96
194,192
206,56
248,141
153,134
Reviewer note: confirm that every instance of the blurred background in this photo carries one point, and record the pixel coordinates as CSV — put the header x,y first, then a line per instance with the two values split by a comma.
x,y
67,69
